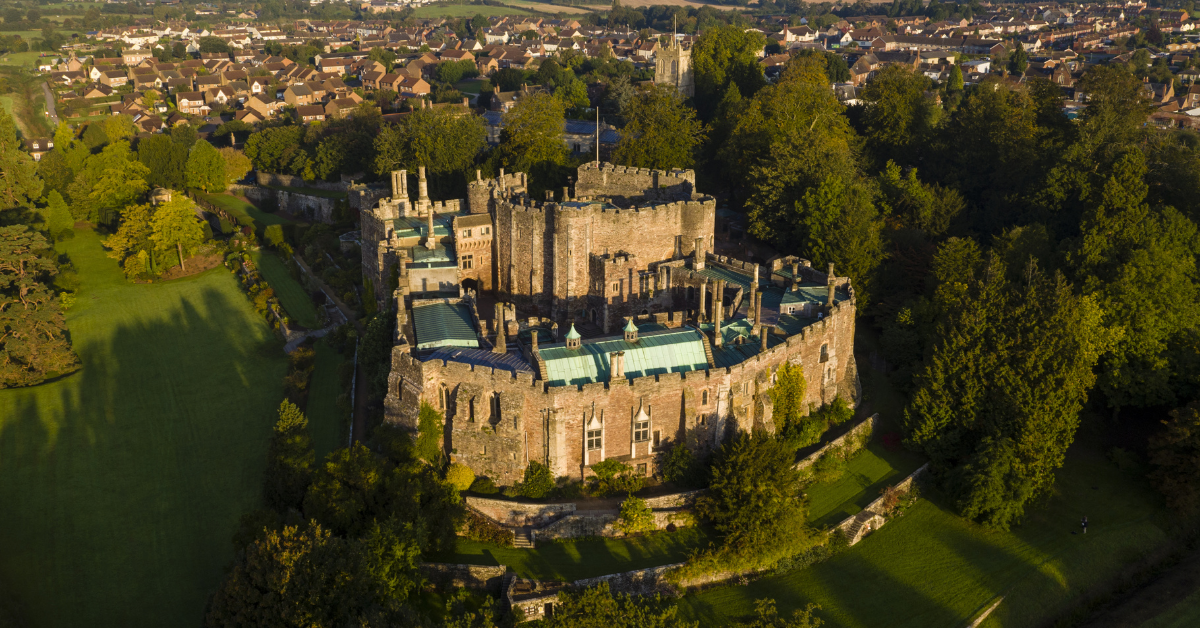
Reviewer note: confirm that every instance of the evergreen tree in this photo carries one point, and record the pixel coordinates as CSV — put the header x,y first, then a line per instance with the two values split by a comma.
x,y
998,402
33,334
290,459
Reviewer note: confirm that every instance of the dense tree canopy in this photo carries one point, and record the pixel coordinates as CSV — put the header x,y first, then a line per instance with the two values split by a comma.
x,y
33,340
660,132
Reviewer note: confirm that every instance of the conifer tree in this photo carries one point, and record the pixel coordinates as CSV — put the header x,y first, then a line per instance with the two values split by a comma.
x,y
290,459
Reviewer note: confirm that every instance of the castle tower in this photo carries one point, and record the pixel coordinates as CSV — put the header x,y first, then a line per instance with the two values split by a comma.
x,y
673,66
573,338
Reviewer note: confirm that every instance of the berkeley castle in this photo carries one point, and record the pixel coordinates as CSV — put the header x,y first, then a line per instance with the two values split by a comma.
x,y
595,323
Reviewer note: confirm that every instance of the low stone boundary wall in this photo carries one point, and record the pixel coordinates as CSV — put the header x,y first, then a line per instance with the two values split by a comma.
x,y
290,181
873,516
517,514
312,208
487,578
859,434
595,523
686,499
639,582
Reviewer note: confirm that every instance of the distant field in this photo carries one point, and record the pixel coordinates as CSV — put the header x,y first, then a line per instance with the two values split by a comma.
x,y
21,59
547,7
467,10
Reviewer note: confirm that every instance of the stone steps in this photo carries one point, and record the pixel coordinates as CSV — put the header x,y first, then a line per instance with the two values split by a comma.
x,y
522,538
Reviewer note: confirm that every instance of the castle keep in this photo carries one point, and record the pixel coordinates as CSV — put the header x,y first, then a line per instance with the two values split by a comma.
x,y
593,325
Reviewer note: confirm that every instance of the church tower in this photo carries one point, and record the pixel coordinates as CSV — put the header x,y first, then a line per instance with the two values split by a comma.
x,y
673,66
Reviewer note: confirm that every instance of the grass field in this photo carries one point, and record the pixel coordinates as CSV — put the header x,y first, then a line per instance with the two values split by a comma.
x,y
932,569
1185,614
124,482
294,297
572,560
467,10
245,209
325,421
868,473
20,59
7,103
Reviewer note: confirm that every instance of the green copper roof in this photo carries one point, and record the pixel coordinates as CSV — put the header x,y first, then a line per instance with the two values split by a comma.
x,y
444,325
573,335
731,278
418,226
629,326
672,351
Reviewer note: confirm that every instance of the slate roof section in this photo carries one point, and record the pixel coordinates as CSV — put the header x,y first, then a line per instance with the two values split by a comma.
x,y
414,226
729,276
444,325
655,352
511,362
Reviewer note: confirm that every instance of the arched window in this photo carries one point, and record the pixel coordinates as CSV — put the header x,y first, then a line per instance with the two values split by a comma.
x,y
825,353
674,67
704,398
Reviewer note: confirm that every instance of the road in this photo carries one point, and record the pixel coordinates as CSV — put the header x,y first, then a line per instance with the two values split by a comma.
x,y
52,114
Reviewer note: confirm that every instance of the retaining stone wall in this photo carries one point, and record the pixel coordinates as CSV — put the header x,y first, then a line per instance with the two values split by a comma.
x,y
639,582
289,181
516,514
872,517
858,435
475,577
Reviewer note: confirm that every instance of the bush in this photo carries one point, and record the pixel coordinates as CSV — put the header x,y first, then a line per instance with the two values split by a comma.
x,y
273,235
460,476
429,434
830,467
614,478
635,516
538,481
484,530
681,467
484,486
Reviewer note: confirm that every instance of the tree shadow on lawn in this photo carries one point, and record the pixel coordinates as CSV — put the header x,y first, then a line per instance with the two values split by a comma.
x,y
124,482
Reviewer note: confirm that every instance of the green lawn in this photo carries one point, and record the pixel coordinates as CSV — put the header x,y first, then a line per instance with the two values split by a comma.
x,y
931,568
868,473
573,560
7,103
245,210
294,297
124,482
20,59
325,421
1185,614
469,86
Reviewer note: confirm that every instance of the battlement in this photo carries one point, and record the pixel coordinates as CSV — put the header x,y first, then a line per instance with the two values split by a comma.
x,y
610,180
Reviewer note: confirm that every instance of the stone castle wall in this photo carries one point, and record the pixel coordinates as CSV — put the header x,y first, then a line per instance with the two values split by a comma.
x,y
607,179
498,421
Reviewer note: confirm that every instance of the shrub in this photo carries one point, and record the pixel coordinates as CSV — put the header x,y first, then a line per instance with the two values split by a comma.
x,y
682,467
830,467
635,516
484,530
460,476
614,477
484,486
429,434
538,481
273,235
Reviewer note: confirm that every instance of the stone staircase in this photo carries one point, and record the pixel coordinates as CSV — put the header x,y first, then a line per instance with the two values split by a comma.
x,y
522,538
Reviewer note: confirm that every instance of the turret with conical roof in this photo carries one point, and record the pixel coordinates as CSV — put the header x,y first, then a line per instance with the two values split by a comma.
x,y
573,338
631,331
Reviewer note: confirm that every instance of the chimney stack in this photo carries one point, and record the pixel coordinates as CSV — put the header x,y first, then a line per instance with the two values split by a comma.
x,y
831,286
762,332
549,196
501,342
758,295
795,276
700,313
698,255
566,193
718,304
617,362
430,242
478,175
422,185
533,334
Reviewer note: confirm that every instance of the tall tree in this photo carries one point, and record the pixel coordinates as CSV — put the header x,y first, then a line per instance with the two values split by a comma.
x,y
724,55
899,118
532,139
19,183
175,226
661,132
237,164
166,160
33,340
57,215
998,402
131,243
290,459
205,168
445,143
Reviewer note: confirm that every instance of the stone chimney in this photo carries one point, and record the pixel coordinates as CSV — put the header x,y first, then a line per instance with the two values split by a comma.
x,y
478,175
533,346
718,298
758,295
422,185
763,332
549,196
430,241
573,338
795,276
831,287
501,342
616,360
700,313
399,184
566,194
631,331
698,255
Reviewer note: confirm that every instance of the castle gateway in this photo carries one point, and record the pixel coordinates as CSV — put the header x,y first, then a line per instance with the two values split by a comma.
x,y
592,326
